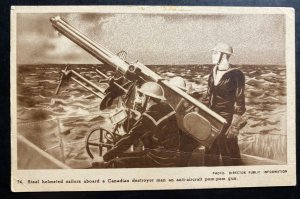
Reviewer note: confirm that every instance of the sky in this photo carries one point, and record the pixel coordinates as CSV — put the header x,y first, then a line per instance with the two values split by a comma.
x,y
154,38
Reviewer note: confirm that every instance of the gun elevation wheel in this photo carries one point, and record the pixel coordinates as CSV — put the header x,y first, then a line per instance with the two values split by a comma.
x,y
98,141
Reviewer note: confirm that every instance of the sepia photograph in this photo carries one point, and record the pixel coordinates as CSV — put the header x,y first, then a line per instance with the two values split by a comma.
x,y
137,98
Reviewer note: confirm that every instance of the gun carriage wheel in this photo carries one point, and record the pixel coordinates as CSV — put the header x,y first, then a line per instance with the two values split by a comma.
x,y
98,140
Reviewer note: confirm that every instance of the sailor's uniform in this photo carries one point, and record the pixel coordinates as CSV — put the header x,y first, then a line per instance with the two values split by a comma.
x,y
158,130
226,97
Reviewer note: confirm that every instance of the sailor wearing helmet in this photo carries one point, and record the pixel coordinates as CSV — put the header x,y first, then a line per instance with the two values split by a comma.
x,y
158,130
226,87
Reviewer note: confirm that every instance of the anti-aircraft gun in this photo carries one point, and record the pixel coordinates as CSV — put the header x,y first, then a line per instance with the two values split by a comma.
x,y
204,125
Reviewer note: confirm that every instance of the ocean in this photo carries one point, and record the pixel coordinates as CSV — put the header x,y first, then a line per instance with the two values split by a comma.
x,y
60,123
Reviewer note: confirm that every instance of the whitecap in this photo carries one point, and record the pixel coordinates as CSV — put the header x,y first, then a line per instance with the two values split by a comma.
x,y
270,74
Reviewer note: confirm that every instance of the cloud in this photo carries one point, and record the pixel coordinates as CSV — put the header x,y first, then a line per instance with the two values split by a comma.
x,y
38,42
188,39
63,50
156,39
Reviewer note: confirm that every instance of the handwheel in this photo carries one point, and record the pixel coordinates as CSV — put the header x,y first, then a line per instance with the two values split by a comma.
x,y
98,140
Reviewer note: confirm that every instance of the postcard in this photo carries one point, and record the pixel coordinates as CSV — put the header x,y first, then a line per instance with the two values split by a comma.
x,y
152,97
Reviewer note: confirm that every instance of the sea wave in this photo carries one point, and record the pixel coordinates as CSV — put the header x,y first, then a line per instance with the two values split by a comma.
x,y
265,99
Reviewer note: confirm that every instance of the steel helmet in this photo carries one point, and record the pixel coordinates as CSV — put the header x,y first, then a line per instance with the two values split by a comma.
x,y
178,82
152,89
223,48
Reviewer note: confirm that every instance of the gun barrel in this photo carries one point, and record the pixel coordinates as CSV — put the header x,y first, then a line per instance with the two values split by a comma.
x,y
95,49
107,57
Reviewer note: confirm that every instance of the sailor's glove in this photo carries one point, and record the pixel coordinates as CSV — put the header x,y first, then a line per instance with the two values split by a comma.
x,y
135,114
233,130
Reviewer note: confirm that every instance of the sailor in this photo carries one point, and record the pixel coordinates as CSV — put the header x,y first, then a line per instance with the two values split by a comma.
x,y
226,97
158,130
187,143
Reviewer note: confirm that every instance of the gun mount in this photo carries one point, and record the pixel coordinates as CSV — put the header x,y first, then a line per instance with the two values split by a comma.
x,y
132,74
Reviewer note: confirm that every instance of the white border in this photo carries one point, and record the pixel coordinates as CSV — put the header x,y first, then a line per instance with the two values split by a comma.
x,y
247,180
